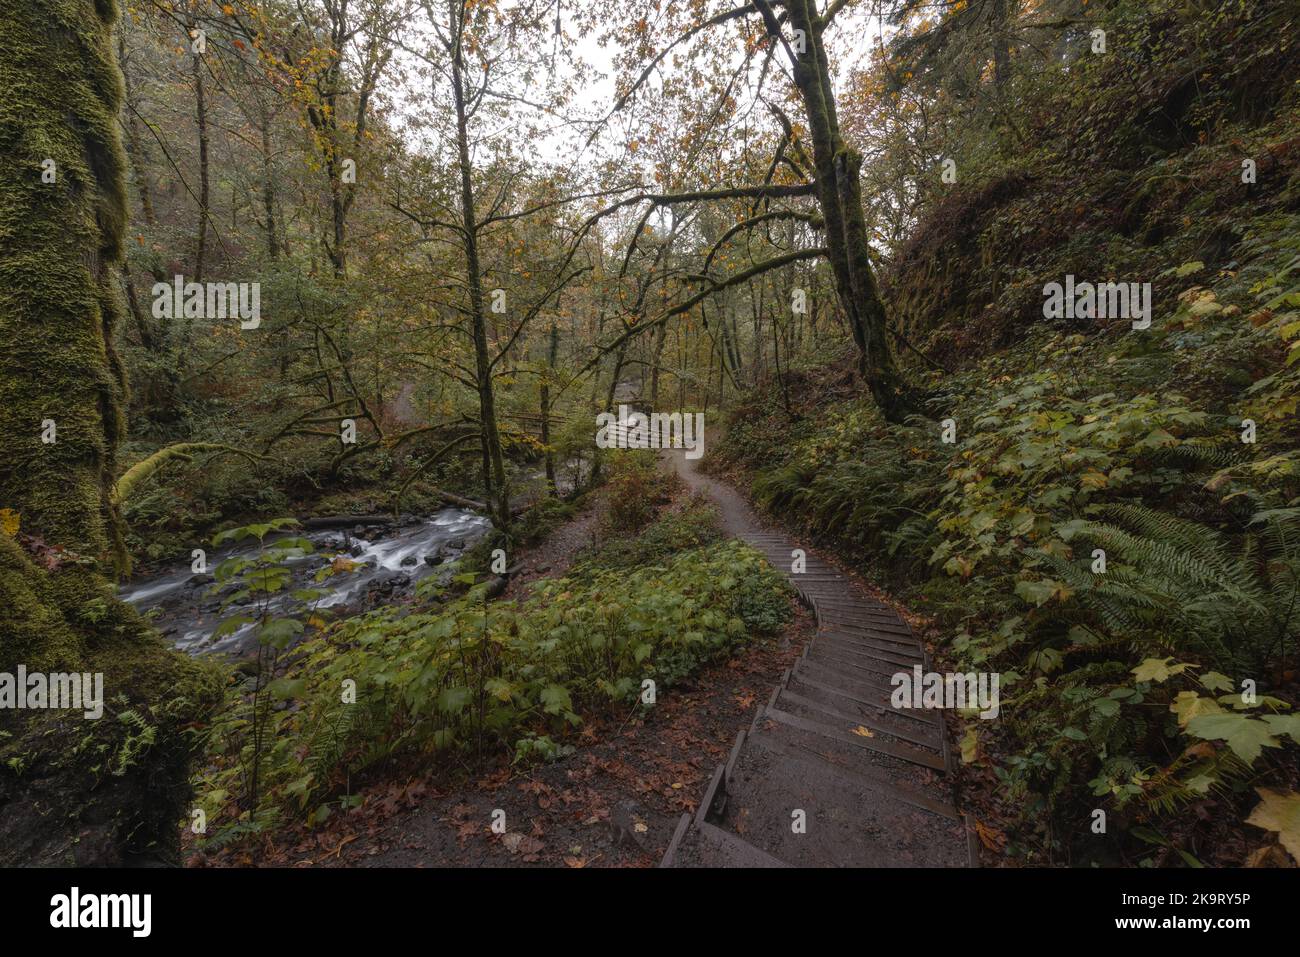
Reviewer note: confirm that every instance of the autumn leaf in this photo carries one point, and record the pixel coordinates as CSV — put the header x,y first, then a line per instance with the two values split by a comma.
x,y
1188,705
864,732
990,837
9,521
1158,669
1279,813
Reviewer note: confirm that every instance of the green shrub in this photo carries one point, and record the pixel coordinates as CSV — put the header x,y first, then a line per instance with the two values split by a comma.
x,y
635,490
475,675
695,525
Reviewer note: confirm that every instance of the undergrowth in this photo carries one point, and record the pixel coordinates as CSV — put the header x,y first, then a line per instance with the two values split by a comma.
x,y
466,677
1115,529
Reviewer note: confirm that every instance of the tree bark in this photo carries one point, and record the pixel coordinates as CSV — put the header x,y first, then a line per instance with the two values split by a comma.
x,y
839,194
61,252
499,498
201,116
552,355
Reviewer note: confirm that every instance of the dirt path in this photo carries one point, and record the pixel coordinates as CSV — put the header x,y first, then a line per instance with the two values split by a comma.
x,y
828,773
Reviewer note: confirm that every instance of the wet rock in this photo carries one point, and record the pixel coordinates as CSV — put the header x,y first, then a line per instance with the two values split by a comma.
x,y
387,584
434,558
197,580
359,531
408,561
357,550
457,543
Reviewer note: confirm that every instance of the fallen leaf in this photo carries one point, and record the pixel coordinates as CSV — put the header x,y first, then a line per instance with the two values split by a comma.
x,y
990,837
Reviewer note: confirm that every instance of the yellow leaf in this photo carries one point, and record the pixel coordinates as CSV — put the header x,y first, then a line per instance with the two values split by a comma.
x,y
1280,813
9,521
864,732
1188,704
969,746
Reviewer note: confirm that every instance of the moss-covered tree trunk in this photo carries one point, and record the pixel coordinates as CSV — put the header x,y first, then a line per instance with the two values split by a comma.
x,y
72,789
839,194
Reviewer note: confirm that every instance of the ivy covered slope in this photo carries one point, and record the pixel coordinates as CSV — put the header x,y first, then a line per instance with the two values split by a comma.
x,y
1116,525
74,790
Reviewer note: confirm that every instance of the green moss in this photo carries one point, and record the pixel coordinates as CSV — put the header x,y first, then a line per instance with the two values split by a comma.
x,y
94,791
60,244
71,789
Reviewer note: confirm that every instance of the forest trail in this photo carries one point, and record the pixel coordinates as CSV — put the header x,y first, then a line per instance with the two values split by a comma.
x,y
873,783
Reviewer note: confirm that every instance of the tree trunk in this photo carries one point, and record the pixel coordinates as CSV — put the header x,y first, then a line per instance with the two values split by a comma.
x,y
656,355
999,14
499,498
839,195
201,115
552,355
268,190
61,396
134,145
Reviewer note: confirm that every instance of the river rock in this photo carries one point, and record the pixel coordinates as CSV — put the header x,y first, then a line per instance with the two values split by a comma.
x,y
408,561
387,584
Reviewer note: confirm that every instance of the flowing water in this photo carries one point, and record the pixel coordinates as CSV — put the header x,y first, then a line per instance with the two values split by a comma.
x,y
390,560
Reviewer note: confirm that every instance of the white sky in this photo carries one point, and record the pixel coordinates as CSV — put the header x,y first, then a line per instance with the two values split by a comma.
x,y
855,33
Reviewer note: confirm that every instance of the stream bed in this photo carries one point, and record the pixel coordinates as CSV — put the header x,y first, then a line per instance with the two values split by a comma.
x,y
391,557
